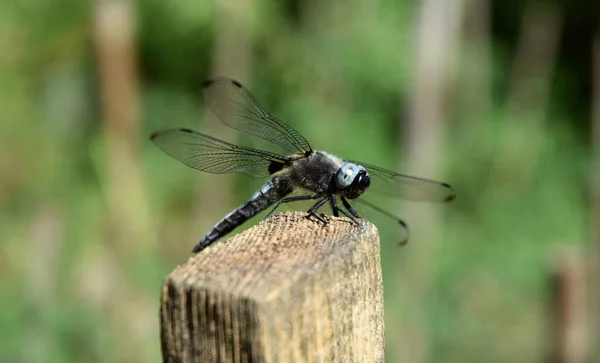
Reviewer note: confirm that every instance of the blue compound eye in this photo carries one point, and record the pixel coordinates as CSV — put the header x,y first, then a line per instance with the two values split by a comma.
x,y
346,174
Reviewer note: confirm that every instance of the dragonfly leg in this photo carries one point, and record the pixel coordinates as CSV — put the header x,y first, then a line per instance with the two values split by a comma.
x,y
337,209
389,215
349,207
290,199
312,210
334,207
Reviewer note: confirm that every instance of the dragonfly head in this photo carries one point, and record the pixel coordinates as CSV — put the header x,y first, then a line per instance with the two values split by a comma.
x,y
352,179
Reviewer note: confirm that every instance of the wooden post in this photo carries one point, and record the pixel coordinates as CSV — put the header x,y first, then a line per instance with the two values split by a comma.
x,y
287,290
568,339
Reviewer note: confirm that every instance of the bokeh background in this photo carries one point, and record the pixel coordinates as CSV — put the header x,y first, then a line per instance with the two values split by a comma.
x,y
499,98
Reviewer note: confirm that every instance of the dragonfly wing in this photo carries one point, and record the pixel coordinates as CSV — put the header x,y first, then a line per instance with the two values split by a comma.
x,y
366,208
205,153
392,184
235,106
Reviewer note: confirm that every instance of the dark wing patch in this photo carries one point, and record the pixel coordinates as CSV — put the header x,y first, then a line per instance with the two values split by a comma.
x,y
205,153
389,183
235,106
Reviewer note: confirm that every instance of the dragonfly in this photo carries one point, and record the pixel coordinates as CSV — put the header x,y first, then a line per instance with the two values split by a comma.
x,y
304,174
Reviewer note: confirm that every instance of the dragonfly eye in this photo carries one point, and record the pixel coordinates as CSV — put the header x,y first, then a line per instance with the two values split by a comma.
x,y
351,174
362,180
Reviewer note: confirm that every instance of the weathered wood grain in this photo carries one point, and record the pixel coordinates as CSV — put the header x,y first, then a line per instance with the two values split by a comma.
x,y
288,290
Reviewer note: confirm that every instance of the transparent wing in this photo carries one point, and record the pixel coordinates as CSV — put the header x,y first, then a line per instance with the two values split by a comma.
x,y
211,155
389,183
237,108
366,208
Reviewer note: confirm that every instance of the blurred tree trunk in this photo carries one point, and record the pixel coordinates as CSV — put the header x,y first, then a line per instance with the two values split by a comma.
x,y
568,313
232,59
436,43
594,191
529,95
114,34
534,61
475,96
129,233
47,236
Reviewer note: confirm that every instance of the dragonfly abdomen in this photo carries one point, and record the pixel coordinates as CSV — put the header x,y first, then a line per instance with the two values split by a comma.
x,y
270,193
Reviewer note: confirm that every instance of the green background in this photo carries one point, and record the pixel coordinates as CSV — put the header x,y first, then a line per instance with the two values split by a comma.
x,y
86,238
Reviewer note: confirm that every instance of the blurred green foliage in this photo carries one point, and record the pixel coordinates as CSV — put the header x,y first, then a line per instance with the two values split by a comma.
x,y
341,75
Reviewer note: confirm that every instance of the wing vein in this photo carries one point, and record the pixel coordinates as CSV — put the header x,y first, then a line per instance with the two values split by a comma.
x,y
389,183
206,153
235,106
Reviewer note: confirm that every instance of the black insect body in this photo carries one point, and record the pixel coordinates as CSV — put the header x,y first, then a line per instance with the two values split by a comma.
x,y
322,176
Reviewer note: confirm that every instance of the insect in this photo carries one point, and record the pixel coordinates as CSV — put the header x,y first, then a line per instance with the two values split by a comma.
x,y
321,176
